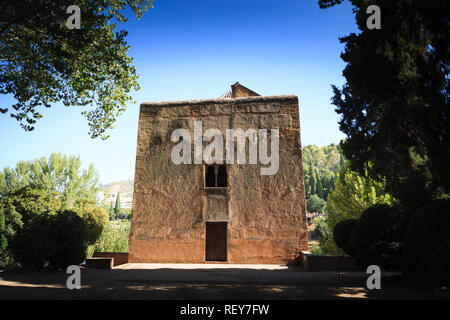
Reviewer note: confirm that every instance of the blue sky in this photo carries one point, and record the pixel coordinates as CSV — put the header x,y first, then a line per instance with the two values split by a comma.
x,y
195,49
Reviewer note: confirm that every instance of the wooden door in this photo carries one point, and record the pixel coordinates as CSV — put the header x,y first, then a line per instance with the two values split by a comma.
x,y
216,241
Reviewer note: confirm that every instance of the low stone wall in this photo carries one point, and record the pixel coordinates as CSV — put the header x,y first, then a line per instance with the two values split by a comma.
x,y
313,262
100,263
119,257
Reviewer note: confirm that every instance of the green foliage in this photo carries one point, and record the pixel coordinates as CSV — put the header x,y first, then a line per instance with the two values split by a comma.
x,y
315,204
95,219
312,179
427,229
352,194
117,207
42,61
377,237
31,215
394,104
51,241
317,250
22,205
59,173
341,235
3,240
111,211
328,3
115,237
320,166
439,263
319,188
325,238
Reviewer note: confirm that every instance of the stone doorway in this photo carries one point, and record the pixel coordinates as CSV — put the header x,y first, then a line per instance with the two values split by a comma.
x,y
216,241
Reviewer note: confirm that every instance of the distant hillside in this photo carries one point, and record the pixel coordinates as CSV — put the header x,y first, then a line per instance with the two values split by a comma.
x,y
125,188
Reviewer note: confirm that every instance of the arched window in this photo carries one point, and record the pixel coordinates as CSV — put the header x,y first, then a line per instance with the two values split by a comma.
x,y
222,177
210,177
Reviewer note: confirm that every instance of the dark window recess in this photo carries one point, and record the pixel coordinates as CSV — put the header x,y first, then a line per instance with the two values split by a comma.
x,y
222,177
210,177
156,140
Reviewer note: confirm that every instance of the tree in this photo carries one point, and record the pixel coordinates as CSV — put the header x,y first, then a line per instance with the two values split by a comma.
x,y
22,205
319,188
111,211
30,219
315,204
394,104
42,61
3,240
352,194
117,207
59,173
312,179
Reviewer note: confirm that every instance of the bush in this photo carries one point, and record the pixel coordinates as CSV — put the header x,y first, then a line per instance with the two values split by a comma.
x,y
51,240
70,235
95,219
427,229
315,204
317,250
325,238
439,263
341,235
377,238
114,238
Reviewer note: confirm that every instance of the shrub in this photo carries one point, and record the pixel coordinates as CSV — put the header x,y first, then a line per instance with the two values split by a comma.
x,y
439,263
316,249
377,238
95,219
48,240
69,235
114,238
315,204
341,235
427,229
325,238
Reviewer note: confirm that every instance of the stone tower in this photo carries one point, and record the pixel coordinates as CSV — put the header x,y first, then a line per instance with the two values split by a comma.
x,y
204,209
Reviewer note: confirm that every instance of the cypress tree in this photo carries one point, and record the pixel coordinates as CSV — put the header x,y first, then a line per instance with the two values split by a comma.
x,y
394,104
111,211
319,188
312,180
117,208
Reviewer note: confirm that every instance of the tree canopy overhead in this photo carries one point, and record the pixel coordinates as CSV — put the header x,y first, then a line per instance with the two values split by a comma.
x,y
394,104
42,61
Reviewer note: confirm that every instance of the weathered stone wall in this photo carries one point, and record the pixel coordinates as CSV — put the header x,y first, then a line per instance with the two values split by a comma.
x,y
265,214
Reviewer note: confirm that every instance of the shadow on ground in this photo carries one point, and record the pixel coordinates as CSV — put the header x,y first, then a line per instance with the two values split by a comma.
x,y
135,281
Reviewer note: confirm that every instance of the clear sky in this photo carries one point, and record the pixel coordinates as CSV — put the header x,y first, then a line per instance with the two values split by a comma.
x,y
195,49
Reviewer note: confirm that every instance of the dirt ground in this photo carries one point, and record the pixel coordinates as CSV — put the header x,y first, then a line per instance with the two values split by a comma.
x,y
212,281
